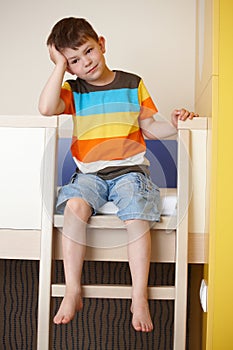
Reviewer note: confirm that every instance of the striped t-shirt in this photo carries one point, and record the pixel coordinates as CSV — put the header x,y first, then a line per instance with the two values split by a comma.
x,y
106,128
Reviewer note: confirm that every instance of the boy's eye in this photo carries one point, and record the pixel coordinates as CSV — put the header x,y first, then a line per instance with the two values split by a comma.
x,y
74,61
89,50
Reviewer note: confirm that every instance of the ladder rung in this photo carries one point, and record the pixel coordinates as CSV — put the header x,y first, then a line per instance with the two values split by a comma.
x,y
116,291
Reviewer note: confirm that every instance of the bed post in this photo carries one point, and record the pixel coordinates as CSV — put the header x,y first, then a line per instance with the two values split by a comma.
x,y
181,260
47,189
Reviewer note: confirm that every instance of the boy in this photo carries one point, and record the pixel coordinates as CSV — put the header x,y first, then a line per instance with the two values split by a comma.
x,y
112,110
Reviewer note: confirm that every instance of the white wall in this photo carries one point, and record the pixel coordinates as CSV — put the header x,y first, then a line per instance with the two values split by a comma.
x,y
153,38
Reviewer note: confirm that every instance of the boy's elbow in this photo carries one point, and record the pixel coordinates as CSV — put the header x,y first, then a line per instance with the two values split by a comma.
x,y
148,135
45,111
46,114
51,109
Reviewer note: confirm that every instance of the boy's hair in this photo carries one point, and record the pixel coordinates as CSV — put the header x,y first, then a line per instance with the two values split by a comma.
x,y
71,33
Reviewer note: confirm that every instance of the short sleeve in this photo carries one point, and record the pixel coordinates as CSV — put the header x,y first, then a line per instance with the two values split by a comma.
x,y
148,108
67,96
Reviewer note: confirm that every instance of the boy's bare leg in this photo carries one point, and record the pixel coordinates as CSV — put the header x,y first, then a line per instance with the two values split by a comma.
x,y
76,215
139,252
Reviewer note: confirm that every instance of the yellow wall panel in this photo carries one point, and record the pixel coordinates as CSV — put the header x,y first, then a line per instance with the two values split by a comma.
x,y
220,293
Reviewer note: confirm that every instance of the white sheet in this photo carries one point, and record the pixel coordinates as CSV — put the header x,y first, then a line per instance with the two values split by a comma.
x,y
168,203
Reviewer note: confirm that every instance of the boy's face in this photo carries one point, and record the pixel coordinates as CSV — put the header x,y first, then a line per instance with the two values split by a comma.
x,y
87,61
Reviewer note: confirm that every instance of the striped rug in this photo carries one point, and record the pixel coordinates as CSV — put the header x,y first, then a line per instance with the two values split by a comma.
x,y
102,324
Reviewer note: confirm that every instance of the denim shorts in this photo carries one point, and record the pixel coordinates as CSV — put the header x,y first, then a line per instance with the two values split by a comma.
x,y
134,194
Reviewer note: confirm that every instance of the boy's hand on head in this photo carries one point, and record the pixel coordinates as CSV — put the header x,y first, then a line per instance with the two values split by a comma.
x,y
182,114
56,56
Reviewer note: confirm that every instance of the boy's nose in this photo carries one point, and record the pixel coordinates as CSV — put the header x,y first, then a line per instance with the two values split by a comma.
x,y
87,61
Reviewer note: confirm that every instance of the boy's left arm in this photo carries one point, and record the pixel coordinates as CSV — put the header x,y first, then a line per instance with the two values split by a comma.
x,y
153,129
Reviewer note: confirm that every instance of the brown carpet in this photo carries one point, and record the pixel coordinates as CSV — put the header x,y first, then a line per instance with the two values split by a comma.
x,y
102,324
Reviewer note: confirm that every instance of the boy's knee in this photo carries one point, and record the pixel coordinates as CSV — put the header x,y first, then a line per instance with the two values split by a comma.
x,y
127,222
79,207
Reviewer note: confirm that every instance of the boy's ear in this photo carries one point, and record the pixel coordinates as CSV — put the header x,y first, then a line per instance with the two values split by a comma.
x,y
102,44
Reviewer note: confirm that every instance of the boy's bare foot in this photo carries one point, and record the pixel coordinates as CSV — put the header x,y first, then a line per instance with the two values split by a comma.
x,y
70,304
141,315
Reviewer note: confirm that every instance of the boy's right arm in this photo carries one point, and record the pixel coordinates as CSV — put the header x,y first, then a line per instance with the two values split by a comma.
x,y
50,102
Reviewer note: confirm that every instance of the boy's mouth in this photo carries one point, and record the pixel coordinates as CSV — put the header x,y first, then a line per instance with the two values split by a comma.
x,y
92,69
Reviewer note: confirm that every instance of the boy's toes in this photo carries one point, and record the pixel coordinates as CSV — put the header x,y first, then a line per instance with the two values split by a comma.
x,y
141,320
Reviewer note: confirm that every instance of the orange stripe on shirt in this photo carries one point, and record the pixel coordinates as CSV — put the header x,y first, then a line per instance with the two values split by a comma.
x,y
67,96
88,151
148,109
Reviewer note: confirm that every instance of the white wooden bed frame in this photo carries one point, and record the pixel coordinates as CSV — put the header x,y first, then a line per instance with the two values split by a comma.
x,y
180,240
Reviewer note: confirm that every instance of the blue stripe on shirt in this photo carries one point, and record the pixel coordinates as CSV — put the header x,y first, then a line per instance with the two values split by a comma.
x,y
110,101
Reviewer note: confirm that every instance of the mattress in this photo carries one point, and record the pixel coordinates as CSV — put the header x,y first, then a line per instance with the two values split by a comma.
x,y
168,203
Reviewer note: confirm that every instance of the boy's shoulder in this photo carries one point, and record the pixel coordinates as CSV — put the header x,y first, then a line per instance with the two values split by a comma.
x,y
125,74
127,79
